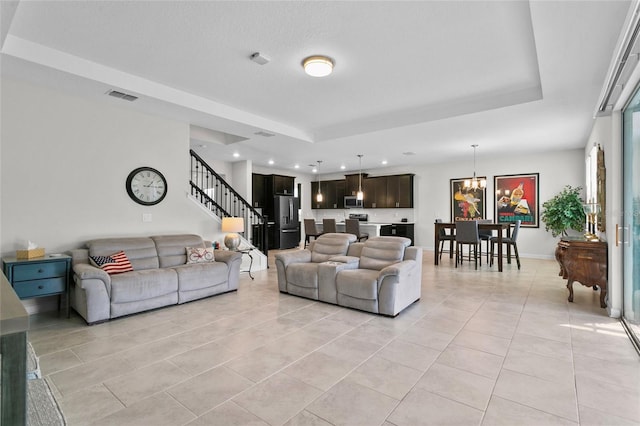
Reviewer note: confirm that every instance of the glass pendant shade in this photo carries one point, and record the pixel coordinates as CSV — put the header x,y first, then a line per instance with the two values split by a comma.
x,y
475,183
360,194
319,197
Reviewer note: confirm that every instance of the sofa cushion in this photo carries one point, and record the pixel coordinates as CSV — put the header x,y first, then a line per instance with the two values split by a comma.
x,y
358,283
141,285
380,252
330,245
202,275
200,255
141,251
303,274
171,248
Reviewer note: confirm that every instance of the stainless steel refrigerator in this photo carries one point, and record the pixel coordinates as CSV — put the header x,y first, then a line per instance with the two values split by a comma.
x,y
286,221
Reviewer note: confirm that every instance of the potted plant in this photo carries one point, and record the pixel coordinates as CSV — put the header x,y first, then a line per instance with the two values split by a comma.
x,y
564,211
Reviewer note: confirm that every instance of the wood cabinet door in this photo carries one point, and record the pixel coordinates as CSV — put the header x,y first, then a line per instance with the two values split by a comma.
x,y
283,185
314,192
257,190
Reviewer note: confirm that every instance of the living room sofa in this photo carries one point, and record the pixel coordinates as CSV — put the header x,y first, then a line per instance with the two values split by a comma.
x,y
382,275
161,275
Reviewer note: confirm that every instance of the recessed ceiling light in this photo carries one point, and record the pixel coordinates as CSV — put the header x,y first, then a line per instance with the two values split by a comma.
x,y
236,155
384,161
318,65
271,162
343,167
315,170
297,166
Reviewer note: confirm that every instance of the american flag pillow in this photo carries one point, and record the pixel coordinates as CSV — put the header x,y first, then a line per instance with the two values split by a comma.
x,y
116,263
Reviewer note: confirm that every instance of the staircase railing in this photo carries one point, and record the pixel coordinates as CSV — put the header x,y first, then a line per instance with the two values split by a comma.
x,y
215,194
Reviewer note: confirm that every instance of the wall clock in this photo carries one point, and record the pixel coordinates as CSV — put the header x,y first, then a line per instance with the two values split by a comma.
x,y
146,186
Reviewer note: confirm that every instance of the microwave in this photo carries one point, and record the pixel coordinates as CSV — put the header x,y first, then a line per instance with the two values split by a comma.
x,y
352,202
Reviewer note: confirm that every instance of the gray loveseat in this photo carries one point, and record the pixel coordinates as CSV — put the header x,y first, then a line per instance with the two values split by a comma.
x,y
382,275
160,276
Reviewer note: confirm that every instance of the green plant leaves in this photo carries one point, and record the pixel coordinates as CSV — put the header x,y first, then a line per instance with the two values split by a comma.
x,y
564,211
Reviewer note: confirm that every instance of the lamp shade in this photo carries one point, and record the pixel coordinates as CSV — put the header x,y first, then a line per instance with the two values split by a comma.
x,y
232,224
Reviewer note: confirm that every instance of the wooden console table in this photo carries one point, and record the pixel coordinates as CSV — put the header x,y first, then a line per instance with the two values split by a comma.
x,y
583,261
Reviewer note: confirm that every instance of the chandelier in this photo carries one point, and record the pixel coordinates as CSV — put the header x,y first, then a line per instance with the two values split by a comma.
x,y
475,183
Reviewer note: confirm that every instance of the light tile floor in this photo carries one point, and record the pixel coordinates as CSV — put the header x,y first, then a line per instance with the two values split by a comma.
x,y
480,347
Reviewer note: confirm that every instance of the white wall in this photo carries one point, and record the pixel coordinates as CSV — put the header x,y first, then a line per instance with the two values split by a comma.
x,y
64,165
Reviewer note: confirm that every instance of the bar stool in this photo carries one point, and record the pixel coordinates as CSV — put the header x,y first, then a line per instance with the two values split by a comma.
x,y
328,225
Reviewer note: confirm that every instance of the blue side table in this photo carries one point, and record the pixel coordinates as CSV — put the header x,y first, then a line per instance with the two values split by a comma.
x,y
42,276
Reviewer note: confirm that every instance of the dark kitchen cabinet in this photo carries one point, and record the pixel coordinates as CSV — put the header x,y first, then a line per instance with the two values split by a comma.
x,y
352,183
283,185
398,230
375,192
399,191
258,190
332,194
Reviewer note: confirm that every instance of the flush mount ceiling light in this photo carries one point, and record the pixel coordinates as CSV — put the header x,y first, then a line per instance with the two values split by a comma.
x,y
318,66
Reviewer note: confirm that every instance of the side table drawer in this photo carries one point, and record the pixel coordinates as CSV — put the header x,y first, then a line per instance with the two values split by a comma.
x,y
39,270
35,288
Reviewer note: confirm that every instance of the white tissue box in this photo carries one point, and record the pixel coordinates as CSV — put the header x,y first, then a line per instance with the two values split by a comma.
x,y
30,254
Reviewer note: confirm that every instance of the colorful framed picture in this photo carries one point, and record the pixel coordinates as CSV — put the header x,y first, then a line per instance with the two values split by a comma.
x,y
517,198
467,203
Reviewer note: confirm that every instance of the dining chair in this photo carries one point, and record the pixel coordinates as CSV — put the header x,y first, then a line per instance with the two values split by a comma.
x,y
352,226
328,225
310,230
509,241
485,235
445,236
467,233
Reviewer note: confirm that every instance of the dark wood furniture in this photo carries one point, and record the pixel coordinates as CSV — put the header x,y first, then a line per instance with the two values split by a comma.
x,y
500,227
264,187
583,261
399,230
394,191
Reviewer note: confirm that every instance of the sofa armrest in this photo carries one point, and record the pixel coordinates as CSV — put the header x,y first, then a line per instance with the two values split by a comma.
x,y
397,269
283,260
84,271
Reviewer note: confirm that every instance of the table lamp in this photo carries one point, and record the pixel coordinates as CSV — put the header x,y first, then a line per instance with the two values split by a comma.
x,y
232,225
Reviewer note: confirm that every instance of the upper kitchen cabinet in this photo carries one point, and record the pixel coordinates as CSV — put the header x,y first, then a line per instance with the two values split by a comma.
x,y
283,185
332,194
400,191
352,183
264,187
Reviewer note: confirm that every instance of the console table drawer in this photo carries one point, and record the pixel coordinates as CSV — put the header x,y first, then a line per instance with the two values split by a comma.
x,y
37,288
39,270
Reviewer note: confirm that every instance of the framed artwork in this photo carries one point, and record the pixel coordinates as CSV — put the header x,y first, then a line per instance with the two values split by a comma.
x,y
467,204
517,198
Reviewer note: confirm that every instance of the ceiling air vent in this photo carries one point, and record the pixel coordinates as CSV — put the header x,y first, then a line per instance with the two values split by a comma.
x,y
121,95
263,133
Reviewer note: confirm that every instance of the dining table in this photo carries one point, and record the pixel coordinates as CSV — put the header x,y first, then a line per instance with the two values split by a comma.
x,y
500,227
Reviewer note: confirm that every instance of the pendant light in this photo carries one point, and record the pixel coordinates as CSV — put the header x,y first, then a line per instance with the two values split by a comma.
x,y
360,194
475,183
319,195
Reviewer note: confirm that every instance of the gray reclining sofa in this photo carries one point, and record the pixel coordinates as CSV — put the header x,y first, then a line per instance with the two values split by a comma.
x,y
160,276
382,275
